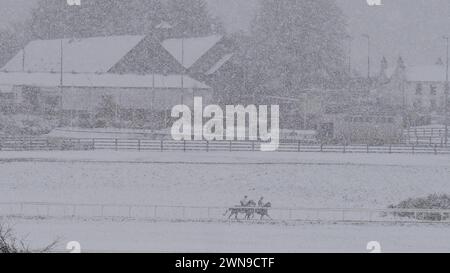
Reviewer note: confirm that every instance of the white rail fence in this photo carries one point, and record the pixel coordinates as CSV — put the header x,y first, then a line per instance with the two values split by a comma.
x,y
202,213
425,136
51,144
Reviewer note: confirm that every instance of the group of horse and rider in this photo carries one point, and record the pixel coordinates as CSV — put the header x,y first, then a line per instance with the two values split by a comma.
x,y
249,208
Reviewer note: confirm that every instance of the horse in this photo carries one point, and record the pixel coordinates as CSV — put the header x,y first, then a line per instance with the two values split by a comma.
x,y
248,210
264,210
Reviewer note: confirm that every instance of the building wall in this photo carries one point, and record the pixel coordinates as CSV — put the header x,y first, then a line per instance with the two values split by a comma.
x,y
366,128
425,96
88,99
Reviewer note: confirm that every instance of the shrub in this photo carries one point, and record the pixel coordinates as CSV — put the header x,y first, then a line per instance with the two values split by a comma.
x,y
10,244
431,202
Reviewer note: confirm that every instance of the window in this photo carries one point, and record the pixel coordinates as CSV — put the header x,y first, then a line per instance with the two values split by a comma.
x,y
419,88
433,90
433,105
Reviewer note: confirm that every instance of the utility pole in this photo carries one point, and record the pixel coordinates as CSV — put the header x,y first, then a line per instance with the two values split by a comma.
x,y
182,73
23,59
61,79
446,91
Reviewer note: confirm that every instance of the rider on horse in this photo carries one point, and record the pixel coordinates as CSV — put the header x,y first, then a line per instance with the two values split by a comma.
x,y
244,202
261,202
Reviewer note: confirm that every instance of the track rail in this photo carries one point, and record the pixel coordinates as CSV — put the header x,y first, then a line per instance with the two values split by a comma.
x,y
216,213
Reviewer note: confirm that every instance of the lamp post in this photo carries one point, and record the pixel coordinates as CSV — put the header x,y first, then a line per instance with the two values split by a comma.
x,y
446,91
350,44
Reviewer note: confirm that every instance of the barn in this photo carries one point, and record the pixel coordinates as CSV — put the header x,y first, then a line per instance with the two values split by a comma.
x,y
148,74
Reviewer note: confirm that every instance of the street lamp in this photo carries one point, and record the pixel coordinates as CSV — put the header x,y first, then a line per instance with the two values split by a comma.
x,y
368,54
350,44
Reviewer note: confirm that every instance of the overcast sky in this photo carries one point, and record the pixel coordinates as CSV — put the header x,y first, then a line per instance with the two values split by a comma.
x,y
411,28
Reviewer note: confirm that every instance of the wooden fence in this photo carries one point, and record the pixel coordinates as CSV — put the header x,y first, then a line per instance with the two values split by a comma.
x,y
52,144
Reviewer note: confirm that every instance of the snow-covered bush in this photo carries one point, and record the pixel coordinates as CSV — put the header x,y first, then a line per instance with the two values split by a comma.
x,y
431,202
28,125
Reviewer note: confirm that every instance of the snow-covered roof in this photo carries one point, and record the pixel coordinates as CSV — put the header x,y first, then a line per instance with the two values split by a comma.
x,y
96,54
99,80
194,48
164,25
426,73
219,64
431,73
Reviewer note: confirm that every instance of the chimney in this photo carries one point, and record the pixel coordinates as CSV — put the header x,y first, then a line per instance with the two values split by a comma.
x,y
164,30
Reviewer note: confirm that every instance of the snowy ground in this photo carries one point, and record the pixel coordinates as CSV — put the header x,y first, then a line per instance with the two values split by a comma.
x,y
310,180
232,237
221,179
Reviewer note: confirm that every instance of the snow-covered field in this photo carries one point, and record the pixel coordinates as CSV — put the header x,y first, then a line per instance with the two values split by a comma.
x,y
310,180
221,179
234,237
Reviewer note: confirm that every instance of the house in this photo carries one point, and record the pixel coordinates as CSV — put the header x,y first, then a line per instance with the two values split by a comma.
x,y
420,89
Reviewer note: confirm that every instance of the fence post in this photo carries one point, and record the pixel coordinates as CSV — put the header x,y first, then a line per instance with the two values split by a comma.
x,y
231,143
184,145
321,147
367,148
139,145
93,144
162,145
413,149
390,148
116,144
345,149
253,146
435,149
207,146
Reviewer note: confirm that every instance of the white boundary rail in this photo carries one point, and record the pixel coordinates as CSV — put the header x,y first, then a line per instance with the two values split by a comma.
x,y
199,213
51,144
